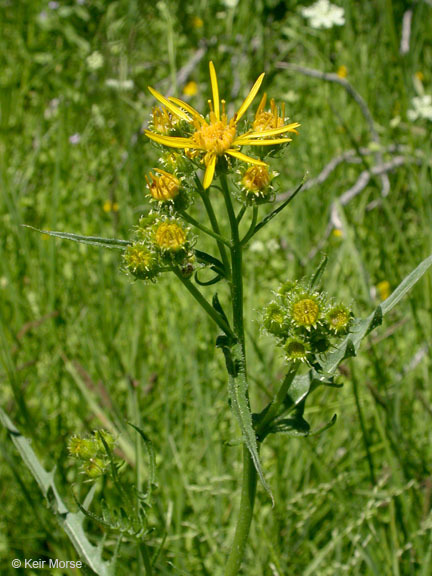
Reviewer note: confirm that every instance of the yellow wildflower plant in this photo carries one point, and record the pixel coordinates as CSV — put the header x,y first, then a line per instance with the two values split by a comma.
x,y
218,136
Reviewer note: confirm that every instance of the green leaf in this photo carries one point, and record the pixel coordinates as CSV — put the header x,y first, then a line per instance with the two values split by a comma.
x,y
406,285
72,523
275,212
151,458
291,426
238,395
92,240
316,278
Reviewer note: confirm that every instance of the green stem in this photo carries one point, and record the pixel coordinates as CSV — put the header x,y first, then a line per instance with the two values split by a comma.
x,y
204,304
237,263
214,223
274,409
204,229
245,515
249,472
252,227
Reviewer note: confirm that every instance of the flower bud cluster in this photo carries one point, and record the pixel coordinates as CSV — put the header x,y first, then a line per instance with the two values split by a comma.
x,y
305,321
163,242
91,452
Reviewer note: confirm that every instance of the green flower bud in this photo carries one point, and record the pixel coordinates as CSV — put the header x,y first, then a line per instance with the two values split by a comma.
x,y
339,318
275,320
297,349
140,261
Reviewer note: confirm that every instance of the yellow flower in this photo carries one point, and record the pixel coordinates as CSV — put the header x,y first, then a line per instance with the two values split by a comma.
x,y
342,71
163,121
218,136
110,206
164,187
305,312
170,236
256,180
270,120
419,75
197,22
337,233
190,89
383,289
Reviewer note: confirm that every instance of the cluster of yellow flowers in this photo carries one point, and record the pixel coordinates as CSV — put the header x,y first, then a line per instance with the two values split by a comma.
x,y
189,142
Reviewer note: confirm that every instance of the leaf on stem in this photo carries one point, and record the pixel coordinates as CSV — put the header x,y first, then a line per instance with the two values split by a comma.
x,y
92,240
237,388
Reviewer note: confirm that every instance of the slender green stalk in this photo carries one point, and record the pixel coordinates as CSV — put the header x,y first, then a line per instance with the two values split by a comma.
x,y
204,229
204,304
245,515
251,230
277,404
237,262
214,223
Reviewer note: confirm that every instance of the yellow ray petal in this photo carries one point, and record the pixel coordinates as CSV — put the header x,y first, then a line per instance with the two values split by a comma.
x,y
209,173
186,107
249,99
274,131
215,89
174,109
244,158
246,142
172,141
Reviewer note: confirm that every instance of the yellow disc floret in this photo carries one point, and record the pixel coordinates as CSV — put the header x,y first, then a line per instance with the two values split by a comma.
x,y
305,312
256,179
217,136
170,236
164,187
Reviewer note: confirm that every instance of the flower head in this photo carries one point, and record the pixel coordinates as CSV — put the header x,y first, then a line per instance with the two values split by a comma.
x,y
421,108
256,183
323,14
140,261
306,308
339,318
297,349
164,187
169,236
217,135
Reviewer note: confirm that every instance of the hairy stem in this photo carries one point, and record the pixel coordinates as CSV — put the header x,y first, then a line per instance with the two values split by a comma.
x,y
249,472
245,515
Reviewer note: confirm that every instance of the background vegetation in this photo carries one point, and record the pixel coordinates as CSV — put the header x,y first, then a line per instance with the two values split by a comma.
x,y
83,347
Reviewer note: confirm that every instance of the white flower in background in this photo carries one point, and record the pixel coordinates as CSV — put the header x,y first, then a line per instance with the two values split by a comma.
x,y
257,247
75,138
421,108
95,60
323,14
120,84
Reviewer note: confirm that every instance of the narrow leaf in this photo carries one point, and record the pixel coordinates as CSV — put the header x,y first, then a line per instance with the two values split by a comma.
x,y
238,394
275,212
92,240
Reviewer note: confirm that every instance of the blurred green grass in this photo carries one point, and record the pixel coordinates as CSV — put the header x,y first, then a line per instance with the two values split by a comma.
x,y
135,346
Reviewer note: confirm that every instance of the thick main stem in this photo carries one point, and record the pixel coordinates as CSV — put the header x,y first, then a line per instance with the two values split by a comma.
x,y
245,515
249,472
